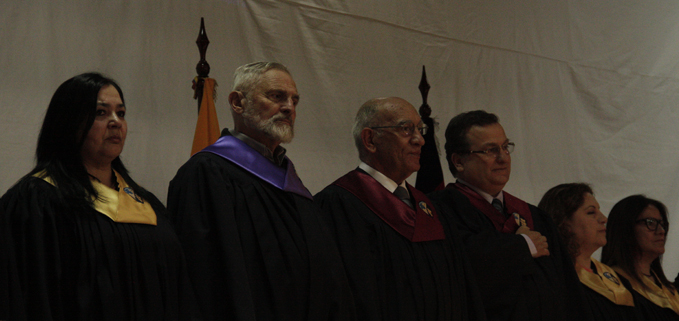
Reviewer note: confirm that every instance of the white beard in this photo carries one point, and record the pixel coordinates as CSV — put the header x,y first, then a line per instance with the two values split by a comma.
x,y
279,131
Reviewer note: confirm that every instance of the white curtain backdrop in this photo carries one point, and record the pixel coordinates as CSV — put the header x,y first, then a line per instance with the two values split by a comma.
x,y
588,90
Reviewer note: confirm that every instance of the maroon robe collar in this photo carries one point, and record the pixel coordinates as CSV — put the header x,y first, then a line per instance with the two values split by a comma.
x,y
520,212
417,225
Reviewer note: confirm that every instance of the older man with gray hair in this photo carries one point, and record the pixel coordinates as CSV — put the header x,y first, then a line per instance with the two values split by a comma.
x,y
255,246
401,263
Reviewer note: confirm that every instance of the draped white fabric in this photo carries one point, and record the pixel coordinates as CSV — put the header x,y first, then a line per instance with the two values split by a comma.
x,y
588,90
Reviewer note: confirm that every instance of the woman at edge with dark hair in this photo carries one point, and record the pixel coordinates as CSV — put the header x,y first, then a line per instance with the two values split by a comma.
x,y
636,232
79,239
582,227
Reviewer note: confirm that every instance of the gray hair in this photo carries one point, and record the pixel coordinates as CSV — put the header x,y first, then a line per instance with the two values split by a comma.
x,y
367,116
246,77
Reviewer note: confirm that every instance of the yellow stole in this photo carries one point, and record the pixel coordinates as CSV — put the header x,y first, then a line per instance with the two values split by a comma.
x,y
606,283
661,296
122,206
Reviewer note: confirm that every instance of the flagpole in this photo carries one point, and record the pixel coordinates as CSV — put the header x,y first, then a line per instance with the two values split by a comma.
x,y
430,175
202,68
207,124
425,110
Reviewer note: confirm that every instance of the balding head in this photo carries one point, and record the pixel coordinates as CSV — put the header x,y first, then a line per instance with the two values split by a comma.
x,y
387,137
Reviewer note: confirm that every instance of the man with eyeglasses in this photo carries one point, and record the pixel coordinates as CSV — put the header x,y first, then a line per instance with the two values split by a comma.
x,y
400,263
522,268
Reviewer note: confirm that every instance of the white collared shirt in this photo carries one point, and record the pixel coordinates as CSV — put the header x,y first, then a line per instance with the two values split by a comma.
x,y
385,181
500,196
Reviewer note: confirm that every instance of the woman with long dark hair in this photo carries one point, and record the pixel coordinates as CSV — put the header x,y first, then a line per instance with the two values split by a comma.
x,y
79,238
636,233
582,227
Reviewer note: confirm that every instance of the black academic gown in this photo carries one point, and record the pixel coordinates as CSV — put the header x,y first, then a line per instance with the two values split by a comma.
x,y
651,311
605,295
255,251
397,272
602,309
58,262
648,309
514,285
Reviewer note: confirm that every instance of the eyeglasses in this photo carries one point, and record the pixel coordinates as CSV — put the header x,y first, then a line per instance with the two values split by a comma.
x,y
407,129
652,224
507,148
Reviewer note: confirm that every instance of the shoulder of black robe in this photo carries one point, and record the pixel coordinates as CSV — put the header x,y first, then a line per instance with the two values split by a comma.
x,y
393,278
32,277
513,284
603,309
77,264
253,250
646,308
5,279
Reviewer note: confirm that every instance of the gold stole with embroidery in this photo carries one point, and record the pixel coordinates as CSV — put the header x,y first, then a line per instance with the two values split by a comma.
x,y
122,206
606,283
660,296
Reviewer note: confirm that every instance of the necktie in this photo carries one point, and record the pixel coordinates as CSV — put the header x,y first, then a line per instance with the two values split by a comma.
x,y
498,206
402,194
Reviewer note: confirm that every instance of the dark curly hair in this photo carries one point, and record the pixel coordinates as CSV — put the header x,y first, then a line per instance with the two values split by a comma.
x,y
561,202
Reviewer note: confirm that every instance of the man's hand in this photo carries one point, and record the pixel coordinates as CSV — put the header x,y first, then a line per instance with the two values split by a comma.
x,y
539,241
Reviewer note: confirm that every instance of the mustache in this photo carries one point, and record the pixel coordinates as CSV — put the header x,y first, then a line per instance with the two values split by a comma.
x,y
281,117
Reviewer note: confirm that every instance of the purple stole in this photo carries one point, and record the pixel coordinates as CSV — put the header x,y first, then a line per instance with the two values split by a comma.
x,y
520,212
417,225
239,153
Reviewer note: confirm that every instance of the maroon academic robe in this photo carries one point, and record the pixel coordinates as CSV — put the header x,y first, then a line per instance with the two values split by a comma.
x,y
400,264
513,284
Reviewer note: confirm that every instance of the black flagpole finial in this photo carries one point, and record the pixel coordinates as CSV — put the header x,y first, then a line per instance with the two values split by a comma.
x,y
203,68
425,110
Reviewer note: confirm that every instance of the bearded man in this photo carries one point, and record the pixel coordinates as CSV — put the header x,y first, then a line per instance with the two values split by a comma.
x,y
255,247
